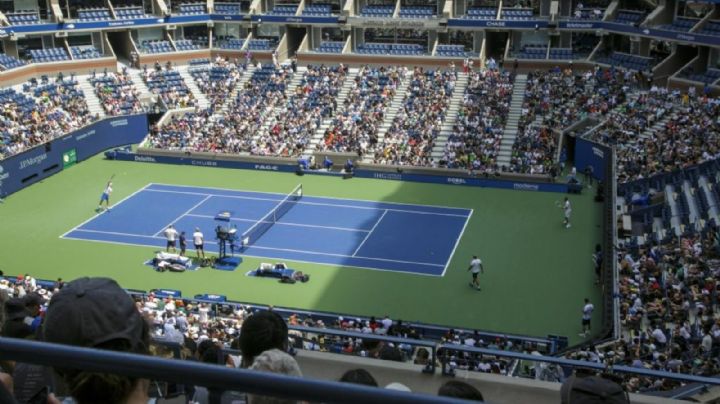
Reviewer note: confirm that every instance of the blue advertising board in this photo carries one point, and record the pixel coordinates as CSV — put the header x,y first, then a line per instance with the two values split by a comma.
x,y
24,169
294,19
518,24
360,173
569,24
595,155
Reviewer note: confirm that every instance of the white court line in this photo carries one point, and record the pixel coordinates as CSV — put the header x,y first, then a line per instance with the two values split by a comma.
x,y
457,241
98,214
369,233
280,249
185,213
119,234
345,256
302,202
314,196
260,256
284,223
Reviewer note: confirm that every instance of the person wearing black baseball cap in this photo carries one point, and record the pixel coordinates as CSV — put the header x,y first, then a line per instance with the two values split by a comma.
x,y
98,313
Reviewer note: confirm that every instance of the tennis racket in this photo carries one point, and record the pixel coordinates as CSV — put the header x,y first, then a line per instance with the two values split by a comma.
x,y
558,204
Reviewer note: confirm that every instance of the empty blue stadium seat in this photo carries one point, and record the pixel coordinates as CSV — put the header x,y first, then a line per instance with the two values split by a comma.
x,y
378,11
284,9
417,12
481,13
681,24
48,55
517,14
227,8
8,62
451,51
317,10
710,28
127,13
94,14
23,17
192,8
85,52
331,47
156,47
629,16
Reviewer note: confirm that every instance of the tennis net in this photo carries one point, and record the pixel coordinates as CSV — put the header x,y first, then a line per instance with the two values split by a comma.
x,y
260,227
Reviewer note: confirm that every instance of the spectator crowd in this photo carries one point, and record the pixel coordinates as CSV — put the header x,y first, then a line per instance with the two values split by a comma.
x,y
45,109
477,133
411,136
117,93
355,126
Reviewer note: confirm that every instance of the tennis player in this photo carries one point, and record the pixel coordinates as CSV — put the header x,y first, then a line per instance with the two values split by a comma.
x,y
198,241
475,268
171,236
105,197
567,208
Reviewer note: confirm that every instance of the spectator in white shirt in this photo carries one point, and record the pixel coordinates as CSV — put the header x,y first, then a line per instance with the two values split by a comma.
x,y
171,235
198,241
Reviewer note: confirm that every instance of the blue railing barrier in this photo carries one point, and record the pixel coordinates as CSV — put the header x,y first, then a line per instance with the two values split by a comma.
x,y
429,368
201,374
431,331
600,367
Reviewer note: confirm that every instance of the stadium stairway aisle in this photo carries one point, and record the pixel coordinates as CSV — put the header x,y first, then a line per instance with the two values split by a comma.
x,y
202,100
137,80
238,87
93,102
713,211
438,151
689,195
269,117
295,82
658,125
319,134
392,110
511,126
675,221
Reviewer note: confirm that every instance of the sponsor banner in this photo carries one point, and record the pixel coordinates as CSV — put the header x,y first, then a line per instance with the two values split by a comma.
x,y
463,23
294,19
633,30
226,17
367,22
69,158
212,298
467,181
19,171
698,39
591,154
382,175
166,293
206,163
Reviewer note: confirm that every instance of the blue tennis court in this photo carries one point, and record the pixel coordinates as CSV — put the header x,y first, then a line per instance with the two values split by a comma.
x,y
415,239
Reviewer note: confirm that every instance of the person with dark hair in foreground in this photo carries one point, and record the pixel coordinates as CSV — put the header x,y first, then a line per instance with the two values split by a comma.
x,y
260,332
98,313
359,376
592,389
458,389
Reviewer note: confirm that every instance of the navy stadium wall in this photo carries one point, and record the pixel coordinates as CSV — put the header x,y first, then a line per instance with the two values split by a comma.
x,y
31,166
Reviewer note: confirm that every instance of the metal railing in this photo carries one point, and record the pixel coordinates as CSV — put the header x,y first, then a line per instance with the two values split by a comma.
x,y
573,363
200,374
432,346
